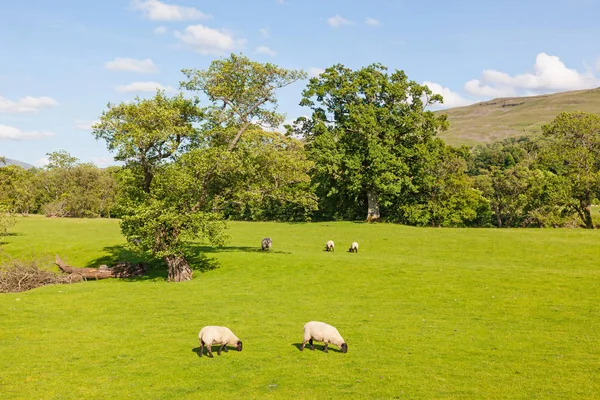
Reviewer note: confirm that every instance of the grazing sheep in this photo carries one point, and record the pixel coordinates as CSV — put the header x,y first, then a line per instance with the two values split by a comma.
x,y
322,332
210,335
353,247
329,246
266,244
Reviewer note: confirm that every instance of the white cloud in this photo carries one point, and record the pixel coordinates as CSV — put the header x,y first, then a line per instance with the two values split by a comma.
x,y
159,11
143,87
26,104
265,50
338,21
264,32
85,125
160,30
372,22
41,162
550,75
12,133
146,66
451,99
206,40
102,161
314,72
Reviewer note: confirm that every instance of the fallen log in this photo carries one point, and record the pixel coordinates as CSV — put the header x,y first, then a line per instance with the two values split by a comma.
x,y
121,270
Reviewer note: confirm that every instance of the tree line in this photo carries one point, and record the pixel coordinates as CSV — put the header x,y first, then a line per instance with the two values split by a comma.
x,y
368,150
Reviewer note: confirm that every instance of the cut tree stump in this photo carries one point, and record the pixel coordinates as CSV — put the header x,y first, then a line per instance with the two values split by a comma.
x,y
121,270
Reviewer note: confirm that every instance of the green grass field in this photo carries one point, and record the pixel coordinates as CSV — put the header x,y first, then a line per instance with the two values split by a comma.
x,y
426,313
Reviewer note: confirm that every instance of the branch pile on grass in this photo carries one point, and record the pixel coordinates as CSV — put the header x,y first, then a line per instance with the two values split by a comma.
x,y
121,270
19,276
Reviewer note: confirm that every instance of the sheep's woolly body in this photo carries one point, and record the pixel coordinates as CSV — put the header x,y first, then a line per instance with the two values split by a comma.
x,y
222,335
322,332
330,246
266,243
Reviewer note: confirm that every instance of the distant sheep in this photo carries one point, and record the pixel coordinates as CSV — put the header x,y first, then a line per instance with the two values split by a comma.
x,y
353,247
322,332
210,335
266,244
329,246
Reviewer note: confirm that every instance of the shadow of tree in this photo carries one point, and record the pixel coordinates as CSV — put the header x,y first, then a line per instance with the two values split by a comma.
x,y
227,249
156,268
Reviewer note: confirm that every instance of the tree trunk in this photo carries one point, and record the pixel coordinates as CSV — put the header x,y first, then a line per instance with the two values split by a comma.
x,y
121,270
586,215
179,269
373,206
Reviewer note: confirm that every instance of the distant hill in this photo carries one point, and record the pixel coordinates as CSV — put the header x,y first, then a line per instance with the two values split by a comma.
x,y
15,162
498,119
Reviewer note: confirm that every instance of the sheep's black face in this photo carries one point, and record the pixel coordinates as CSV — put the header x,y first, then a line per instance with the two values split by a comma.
x,y
344,348
239,345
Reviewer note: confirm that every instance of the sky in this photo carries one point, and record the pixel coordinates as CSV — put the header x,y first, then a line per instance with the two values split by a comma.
x,y
63,61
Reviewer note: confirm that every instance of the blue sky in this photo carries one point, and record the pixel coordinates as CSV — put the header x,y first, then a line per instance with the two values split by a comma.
x,y
62,61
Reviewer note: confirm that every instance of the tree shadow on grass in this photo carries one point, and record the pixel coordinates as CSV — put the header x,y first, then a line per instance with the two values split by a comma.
x,y
156,268
318,347
228,249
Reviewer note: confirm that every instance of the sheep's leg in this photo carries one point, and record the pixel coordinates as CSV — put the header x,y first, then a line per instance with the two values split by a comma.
x,y
325,348
303,343
225,348
221,348
311,344
209,351
201,348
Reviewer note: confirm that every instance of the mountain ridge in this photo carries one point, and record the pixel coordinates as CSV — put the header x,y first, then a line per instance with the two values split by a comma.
x,y
497,119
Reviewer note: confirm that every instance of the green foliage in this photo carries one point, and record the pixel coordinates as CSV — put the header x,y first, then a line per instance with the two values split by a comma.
x,y
241,91
573,152
18,189
7,220
146,133
363,130
427,314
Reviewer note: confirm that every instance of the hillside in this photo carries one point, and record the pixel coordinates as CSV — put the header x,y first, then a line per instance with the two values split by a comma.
x,y
497,119
8,161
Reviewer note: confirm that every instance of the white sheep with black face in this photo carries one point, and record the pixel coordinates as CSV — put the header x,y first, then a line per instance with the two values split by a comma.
x,y
322,332
266,244
222,335
353,247
330,246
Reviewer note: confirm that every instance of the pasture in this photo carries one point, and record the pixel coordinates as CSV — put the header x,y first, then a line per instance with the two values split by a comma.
x,y
426,313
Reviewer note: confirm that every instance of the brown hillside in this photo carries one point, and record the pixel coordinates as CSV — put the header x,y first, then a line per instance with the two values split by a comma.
x,y
497,119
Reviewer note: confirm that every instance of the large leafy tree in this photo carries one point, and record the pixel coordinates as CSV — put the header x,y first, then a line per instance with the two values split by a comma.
x,y
573,152
147,132
182,197
362,134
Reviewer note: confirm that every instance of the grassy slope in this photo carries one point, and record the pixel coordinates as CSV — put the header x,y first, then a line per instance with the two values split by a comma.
x,y
427,313
520,116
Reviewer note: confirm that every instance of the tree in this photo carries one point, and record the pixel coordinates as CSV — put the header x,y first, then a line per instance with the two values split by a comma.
x,y
182,197
242,92
573,152
7,220
146,133
18,189
363,130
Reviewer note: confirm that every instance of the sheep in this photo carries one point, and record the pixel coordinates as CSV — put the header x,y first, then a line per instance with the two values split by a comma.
x,y
266,244
329,246
353,247
322,332
210,335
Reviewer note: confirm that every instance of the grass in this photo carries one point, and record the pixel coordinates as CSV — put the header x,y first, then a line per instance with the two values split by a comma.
x,y
427,313
498,119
